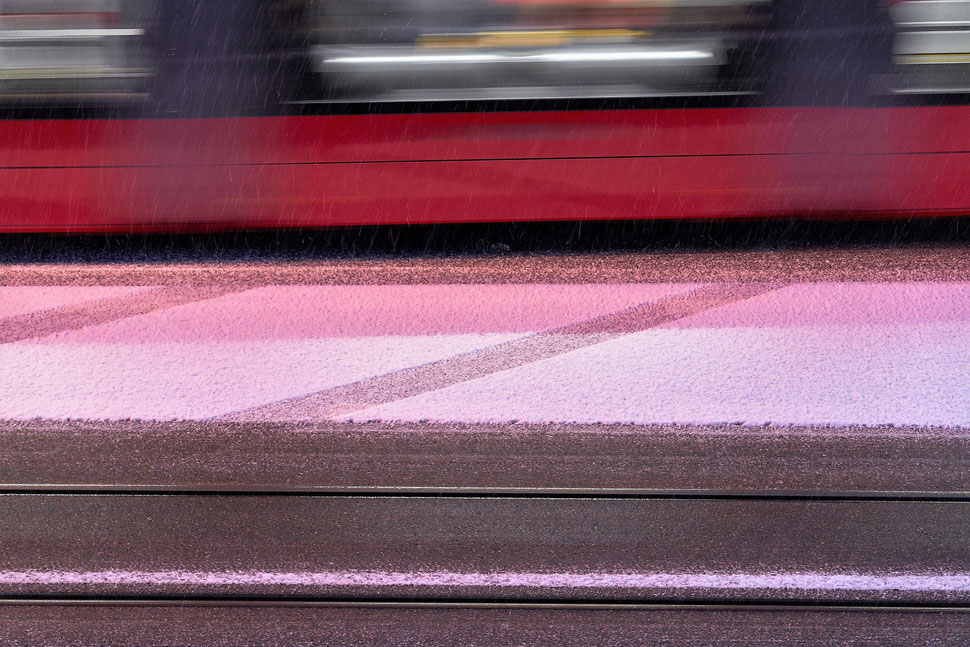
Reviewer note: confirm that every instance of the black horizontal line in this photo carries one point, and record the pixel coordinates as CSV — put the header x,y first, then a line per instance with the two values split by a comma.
x,y
605,494
473,159
671,604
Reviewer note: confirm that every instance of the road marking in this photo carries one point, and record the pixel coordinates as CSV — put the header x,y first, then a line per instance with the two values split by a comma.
x,y
193,381
487,361
805,355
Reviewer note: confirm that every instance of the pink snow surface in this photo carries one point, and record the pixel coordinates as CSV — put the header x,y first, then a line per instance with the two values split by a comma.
x,y
329,311
829,304
199,380
21,300
803,355
249,349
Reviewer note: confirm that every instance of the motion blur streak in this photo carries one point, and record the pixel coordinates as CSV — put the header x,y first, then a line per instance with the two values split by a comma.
x,y
134,115
152,175
574,56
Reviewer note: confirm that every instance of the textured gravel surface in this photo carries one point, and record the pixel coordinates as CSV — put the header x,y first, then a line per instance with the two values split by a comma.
x,y
949,262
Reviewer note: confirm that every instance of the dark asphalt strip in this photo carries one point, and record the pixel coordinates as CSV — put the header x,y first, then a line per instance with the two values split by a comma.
x,y
216,625
466,605
890,264
622,460
483,493
486,549
475,364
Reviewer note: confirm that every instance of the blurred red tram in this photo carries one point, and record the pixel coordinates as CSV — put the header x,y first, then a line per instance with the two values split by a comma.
x,y
176,115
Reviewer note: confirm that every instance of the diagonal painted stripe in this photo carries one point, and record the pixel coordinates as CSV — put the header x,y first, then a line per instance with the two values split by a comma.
x,y
91,313
469,366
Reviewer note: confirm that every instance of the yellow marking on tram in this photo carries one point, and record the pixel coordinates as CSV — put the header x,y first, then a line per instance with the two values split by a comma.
x,y
933,58
516,38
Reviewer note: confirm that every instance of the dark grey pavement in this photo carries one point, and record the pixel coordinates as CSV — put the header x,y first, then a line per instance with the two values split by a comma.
x,y
219,625
486,548
480,458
